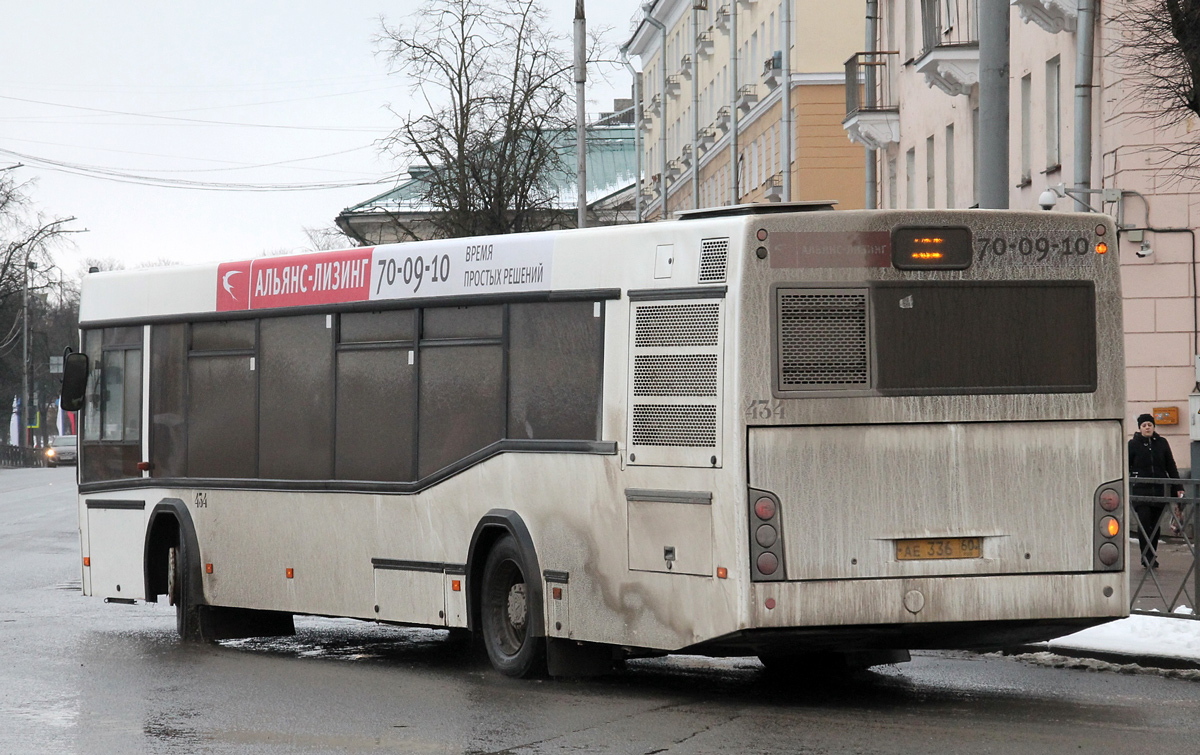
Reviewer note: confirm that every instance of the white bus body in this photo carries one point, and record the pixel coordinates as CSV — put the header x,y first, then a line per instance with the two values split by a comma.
x,y
935,442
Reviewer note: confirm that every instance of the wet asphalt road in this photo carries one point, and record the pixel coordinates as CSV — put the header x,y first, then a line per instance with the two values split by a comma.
x,y
77,675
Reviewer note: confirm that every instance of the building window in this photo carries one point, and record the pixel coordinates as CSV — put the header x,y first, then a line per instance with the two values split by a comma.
x,y
975,156
1053,114
891,199
910,178
1026,130
950,166
929,174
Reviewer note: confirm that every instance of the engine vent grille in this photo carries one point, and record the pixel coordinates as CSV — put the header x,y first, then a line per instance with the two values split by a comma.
x,y
714,255
823,339
675,425
690,375
670,325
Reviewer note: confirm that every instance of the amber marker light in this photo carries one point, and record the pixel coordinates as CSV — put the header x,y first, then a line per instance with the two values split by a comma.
x,y
208,568
557,593
290,573
722,572
87,561
1110,527
456,585
1101,248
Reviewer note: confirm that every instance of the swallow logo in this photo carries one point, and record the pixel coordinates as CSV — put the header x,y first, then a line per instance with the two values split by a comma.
x,y
227,285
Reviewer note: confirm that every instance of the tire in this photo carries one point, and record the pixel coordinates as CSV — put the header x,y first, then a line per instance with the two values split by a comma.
x,y
507,609
187,614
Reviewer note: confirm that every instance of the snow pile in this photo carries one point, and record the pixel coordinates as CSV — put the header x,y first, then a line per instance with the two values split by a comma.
x,y
1162,636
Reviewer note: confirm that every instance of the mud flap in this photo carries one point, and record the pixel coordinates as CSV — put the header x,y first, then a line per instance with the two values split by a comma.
x,y
572,658
222,623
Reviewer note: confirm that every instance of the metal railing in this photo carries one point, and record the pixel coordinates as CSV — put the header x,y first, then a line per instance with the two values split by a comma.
x,y
1170,583
949,23
13,457
869,82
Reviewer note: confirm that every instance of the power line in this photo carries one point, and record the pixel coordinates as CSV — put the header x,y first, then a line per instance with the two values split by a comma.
x,y
119,176
189,120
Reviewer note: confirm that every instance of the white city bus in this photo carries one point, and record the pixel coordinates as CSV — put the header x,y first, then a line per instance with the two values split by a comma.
x,y
765,430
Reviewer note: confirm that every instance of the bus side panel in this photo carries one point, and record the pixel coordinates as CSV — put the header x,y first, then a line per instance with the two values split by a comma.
x,y
115,547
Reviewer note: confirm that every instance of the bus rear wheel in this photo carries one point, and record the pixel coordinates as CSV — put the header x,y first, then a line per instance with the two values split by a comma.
x,y
507,608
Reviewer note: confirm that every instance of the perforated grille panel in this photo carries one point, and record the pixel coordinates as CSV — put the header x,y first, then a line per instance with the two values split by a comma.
x,y
693,375
674,425
822,339
675,383
714,254
668,325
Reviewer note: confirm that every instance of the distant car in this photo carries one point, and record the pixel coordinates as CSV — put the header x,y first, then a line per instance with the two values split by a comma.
x,y
61,451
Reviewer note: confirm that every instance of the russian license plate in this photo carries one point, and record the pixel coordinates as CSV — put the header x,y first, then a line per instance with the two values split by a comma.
x,y
939,547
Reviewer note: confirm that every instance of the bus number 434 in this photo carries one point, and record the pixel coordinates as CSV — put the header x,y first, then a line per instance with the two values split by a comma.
x,y
764,409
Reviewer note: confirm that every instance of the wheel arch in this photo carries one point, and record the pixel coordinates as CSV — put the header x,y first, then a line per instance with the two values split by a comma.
x,y
169,520
491,527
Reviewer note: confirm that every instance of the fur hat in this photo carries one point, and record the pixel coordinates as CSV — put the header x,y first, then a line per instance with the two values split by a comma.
x,y
1145,418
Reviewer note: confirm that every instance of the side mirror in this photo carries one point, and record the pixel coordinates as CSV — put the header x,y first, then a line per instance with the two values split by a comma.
x,y
74,381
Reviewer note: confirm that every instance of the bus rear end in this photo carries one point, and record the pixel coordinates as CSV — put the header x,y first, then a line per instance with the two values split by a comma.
x,y
933,410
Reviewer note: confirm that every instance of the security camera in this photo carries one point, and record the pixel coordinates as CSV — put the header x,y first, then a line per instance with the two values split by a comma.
x,y
1144,250
1047,199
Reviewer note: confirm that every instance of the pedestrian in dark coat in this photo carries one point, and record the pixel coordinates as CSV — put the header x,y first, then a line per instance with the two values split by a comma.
x,y
1150,456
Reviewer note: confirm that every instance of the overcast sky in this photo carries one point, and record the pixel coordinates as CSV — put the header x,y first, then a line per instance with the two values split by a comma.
x,y
123,88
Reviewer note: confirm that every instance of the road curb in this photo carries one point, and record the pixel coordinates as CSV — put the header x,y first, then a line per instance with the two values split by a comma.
x,y
1147,661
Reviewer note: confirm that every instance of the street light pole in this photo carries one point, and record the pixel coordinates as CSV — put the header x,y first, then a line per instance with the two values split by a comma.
x,y
25,357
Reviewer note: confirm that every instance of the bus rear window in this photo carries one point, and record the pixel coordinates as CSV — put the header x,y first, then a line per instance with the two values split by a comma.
x,y
1019,337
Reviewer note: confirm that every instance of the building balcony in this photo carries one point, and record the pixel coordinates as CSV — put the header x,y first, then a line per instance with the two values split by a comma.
x,y
747,3
773,71
872,108
699,4
653,107
950,57
705,138
674,169
721,123
704,44
774,186
747,97
673,85
722,20
685,67
1052,15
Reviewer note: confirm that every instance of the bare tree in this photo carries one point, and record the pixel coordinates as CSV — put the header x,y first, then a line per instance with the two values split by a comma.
x,y
1159,46
327,239
495,82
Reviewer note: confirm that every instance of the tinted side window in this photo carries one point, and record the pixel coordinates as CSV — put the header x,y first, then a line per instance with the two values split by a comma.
x,y
462,403
370,327
463,322
375,414
230,335
222,428
296,398
168,400
555,370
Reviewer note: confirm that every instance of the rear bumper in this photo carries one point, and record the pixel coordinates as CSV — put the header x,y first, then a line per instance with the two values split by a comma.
x,y
939,612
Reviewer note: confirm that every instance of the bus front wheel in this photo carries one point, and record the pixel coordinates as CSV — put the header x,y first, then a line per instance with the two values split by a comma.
x,y
507,608
187,613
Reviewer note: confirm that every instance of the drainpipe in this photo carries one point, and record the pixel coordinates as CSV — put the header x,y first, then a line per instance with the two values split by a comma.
x,y
637,130
733,104
993,105
695,112
662,113
580,114
1085,50
786,100
872,176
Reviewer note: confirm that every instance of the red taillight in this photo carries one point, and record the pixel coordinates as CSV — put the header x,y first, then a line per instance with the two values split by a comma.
x,y
1110,499
764,508
767,563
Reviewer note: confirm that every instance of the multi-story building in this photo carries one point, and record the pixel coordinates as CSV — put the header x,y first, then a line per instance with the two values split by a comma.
x,y
713,75
915,101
